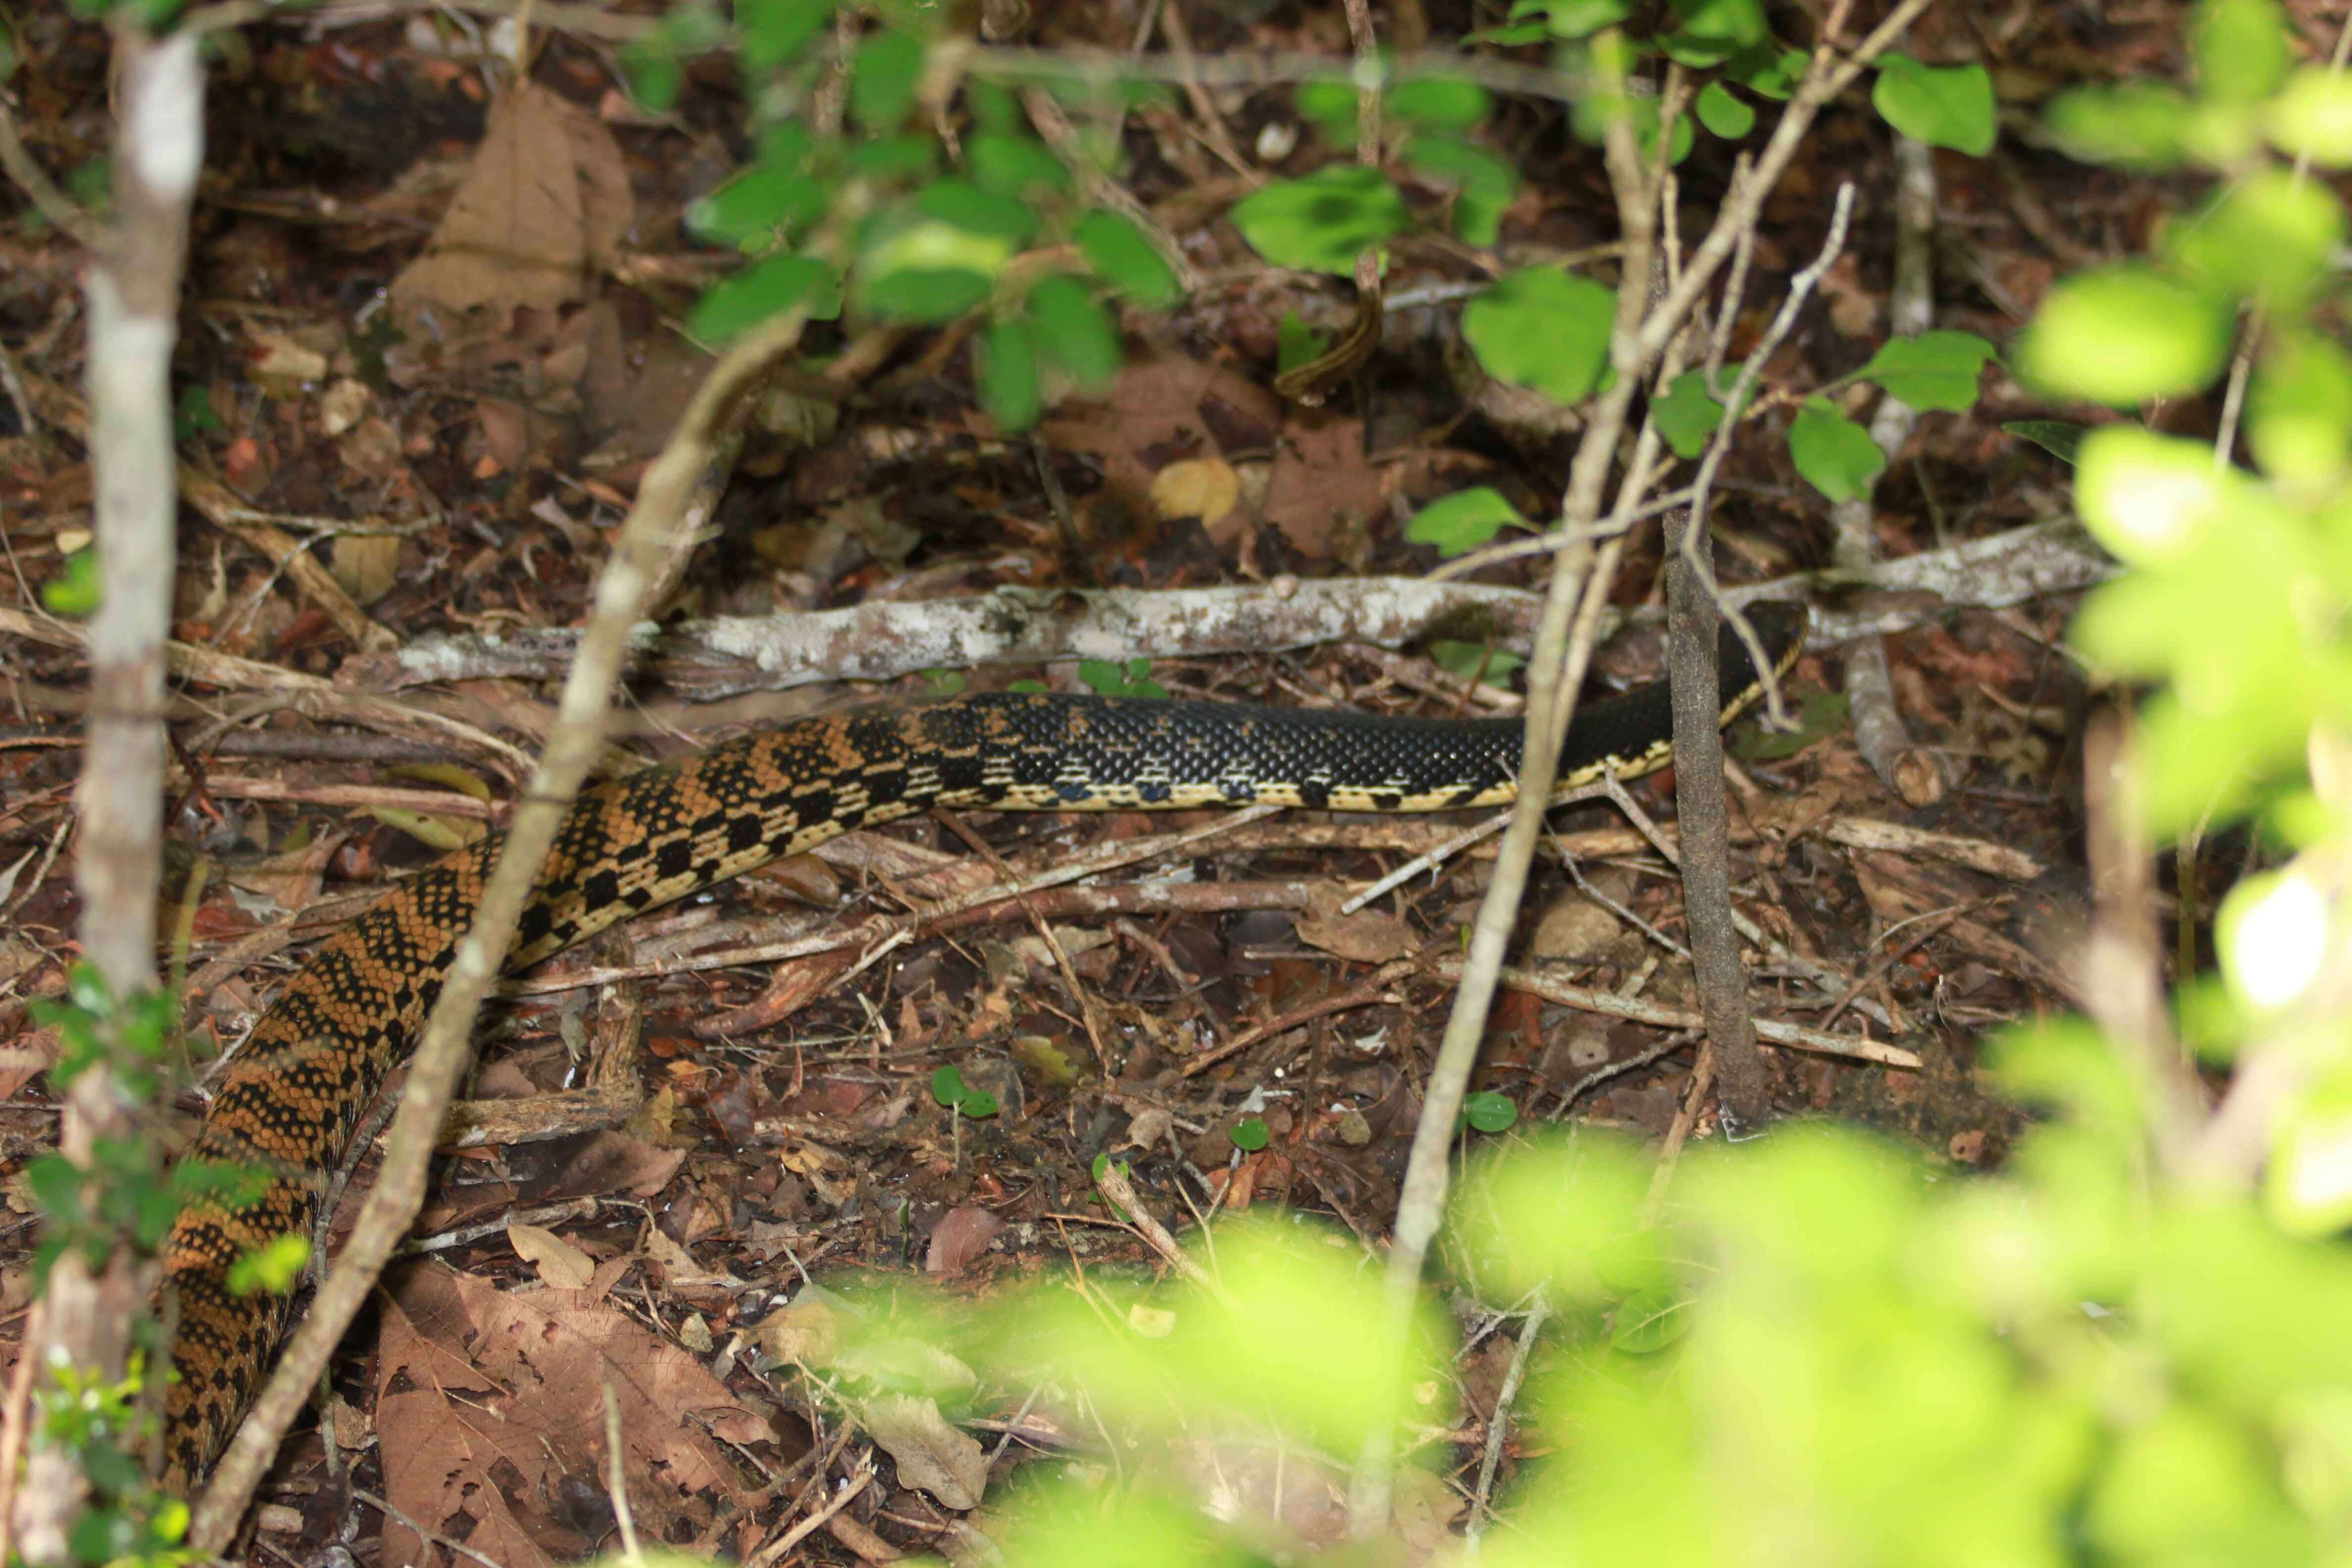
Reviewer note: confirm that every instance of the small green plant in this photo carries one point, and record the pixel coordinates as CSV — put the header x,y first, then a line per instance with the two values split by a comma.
x,y
1487,1112
1132,678
126,1194
107,1426
951,1092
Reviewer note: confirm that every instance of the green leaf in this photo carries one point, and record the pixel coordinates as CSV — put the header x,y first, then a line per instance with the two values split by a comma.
x,y
2299,412
2152,500
1329,103
1116,249
1462,520
1767,70
894,158
1725,26
1477,662
765,290
54,1184
1723,113
1013,165
2270,238
1819,715
882,81
946,682
1295,343
979,212
1250,1134
1009,388
927,293
1487,182
2312,117
993,108
1689,415
1322,223
1650,1320
1074,330
275,1267
1944,107
1110,679
771,32
653,75
1575,18
1487,1112
948,1086
2133,124
1934,370
1439,103
193,415
2184,1485
978,1105
75,590
1510,36
2056,436
2123,334
2240,49
1590,117
1545,328
1835,454
760,201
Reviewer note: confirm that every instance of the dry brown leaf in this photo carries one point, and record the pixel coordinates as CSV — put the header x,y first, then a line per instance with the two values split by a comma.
x,y
962,1233
545,199
559,1262
1161,408
678,1265
366,565
1205,488
616,1163
1323,485
488,1399
941,1460
1368,936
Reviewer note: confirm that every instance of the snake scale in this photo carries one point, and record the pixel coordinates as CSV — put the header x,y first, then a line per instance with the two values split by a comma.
x,y
289,1101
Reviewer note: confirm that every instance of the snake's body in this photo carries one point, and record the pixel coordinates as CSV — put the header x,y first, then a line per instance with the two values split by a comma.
x,y
290,1101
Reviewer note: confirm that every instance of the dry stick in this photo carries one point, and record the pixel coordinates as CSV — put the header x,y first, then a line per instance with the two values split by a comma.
x,y
1498,1424
1657,1014
133,288
1912,772
1700,804
2123,962
308,694
441,1055
884,639
1634,344
1703,814
1554,673
51,203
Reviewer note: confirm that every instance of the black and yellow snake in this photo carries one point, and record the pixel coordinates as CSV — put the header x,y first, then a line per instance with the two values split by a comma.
x,y
289,1101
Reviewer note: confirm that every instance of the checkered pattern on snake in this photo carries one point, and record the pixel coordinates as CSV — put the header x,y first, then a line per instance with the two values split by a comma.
x,y
289,1101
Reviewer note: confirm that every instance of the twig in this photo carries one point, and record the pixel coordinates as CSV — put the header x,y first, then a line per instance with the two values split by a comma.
x,y
1498,1423
52,203
572,749
133,281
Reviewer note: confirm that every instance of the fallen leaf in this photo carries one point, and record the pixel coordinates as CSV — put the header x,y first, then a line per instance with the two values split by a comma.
x,y
545,200
1368,936
1205,488
559,1262
962,1233
949,1463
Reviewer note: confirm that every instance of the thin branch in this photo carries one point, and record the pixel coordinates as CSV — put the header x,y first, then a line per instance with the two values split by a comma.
x,y
645,538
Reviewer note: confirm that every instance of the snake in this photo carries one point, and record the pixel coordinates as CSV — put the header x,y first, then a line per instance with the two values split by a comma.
x,y
287,1103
